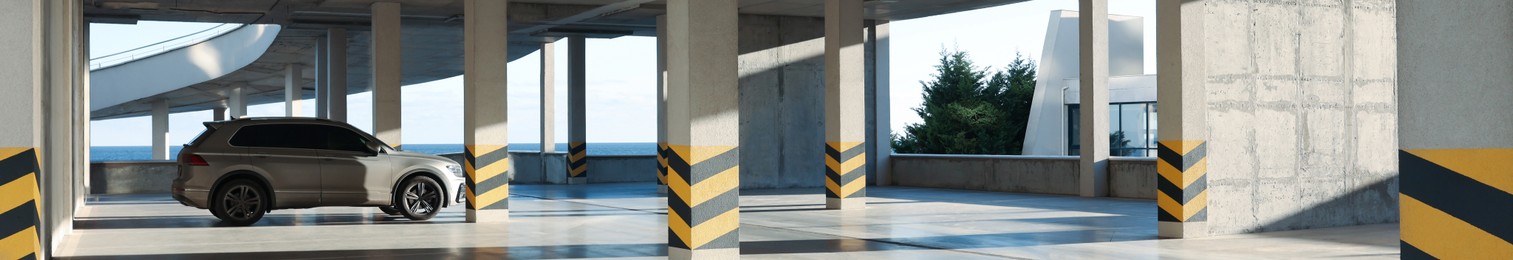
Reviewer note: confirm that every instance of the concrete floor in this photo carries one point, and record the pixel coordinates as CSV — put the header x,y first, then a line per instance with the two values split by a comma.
x,y
627,221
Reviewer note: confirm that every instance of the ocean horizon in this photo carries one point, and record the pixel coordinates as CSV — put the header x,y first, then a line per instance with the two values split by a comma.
x,y
138,153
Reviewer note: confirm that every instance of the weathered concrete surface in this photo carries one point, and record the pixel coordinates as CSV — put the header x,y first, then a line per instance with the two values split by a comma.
x,y
1302,114
132,177
525,168
1132,177
623,168
782,70
1128,177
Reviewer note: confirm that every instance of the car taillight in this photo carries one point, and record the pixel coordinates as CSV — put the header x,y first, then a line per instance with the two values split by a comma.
x,y
196,160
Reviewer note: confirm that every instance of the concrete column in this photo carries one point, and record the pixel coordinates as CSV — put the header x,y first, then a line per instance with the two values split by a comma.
x,y
236,100
218,113
160,130
1181,123
336,81
385,71
845,106
577,118
703,129
1455,105
485,115
28,132
293,92
1093,18
662,104
322,79
548,101
879,109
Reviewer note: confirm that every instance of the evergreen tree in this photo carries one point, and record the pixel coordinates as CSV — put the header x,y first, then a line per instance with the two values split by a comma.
x,y
967,112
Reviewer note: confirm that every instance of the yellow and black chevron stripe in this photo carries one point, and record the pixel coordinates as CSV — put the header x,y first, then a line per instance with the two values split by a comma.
x,y
20,236
845,170
702,199
488,168
1456,203
662,163
577,159
1182,187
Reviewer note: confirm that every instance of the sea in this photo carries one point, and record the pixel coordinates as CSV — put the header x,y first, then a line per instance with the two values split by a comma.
x,y
136,153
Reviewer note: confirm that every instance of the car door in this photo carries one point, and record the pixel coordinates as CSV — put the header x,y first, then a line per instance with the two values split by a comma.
x,y
352,174
282,152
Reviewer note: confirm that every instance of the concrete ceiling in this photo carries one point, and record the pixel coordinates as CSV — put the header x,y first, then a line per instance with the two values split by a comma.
x,y
432,34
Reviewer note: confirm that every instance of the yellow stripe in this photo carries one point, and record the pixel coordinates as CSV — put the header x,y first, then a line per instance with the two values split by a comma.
x,y
473,197
493,196
11,151
580,170
492,170
679,227
850,165
843,146
697,154
678,185
1446,237
1489,166
716,185
481,149
20,244
716,227
833,165
1182,179
1182,146
18,192
830,185
1182,212
853,187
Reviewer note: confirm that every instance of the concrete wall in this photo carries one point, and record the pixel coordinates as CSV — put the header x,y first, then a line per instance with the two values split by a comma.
x,y
1302,113
132,177
1128,177
526,168
782,72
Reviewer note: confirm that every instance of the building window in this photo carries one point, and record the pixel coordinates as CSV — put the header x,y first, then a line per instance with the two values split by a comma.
x,y
1135,122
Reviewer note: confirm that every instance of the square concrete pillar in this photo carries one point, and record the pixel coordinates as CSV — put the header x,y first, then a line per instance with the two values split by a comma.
x,y
336,68
1181,189
703,128
662,104
879,125
845,106
236,100
293,92
218,114
548,101
385,72
1093,174
485,114
577,117
322,79
160,130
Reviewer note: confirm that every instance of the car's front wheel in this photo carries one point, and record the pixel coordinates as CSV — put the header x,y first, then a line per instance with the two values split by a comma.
x,y
240,203
420,198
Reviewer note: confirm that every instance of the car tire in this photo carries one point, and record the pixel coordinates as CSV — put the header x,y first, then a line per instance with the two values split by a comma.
x,y
240,202
390,210
420,198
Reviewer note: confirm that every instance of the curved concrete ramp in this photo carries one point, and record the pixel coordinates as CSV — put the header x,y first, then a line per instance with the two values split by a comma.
x,y
176,69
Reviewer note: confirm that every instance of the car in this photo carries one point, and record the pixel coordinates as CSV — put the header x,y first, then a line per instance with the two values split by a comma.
x,y
243,168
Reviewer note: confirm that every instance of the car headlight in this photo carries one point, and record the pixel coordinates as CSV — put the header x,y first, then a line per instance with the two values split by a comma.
x,y
456,170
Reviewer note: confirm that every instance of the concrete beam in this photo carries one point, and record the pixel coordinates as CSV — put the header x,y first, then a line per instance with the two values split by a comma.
x,y
703,128
1181,124
577,117
385,72
336,58
160,130
845,106
236,100
486,107
292,90
1093,19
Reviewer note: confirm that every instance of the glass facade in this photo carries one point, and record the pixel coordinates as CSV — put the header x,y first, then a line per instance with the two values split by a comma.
x,y
1136,121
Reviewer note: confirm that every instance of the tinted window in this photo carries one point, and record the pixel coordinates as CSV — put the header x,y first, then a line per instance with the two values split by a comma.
x,y
201,138
277,136
342,139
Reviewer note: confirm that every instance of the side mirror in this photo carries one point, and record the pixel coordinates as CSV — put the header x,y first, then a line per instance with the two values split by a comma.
x,y
374,149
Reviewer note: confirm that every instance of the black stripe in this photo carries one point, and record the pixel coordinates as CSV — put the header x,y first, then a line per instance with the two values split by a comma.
x,y
849,154
576,163
674,241
715,165
1182,196
18,219
467,155
713,207
468,181
852,175
492,157
492,183
1181,161
1411,252
31,256
18,165
831,175
1476,203
832,152
676,163
502,204
576,148
1163,216
730,239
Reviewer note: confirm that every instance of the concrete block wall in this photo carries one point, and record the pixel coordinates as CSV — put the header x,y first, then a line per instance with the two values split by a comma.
x,y
1302,114
782,70
1128,177
132,177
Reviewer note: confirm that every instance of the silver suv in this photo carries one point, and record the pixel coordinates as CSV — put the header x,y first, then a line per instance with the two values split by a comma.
x,y
243,168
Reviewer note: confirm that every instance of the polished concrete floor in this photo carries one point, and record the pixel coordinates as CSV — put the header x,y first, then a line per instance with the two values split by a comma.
x,y
628,221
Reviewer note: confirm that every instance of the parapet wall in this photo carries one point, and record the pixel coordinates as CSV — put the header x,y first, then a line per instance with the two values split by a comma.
x,y
1128,177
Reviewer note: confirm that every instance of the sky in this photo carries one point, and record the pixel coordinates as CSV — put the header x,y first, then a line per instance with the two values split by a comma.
x,y
621,77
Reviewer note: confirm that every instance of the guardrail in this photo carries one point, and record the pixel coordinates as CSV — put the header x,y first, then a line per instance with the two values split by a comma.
x,y
161,47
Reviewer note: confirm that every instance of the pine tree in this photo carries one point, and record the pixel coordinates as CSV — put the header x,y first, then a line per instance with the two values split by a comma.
x,y
966,112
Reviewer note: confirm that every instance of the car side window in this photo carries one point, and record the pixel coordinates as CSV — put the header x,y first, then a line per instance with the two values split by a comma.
x,y
342,139
278,136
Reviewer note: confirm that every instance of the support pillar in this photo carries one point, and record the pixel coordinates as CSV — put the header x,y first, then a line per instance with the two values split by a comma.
x,y
1093,173
879,134
236,100
703,127
577,135
385,71
160,130
662,104
336,81
292,90
218,113
1181,189
322,79
548,101
486,117
845,106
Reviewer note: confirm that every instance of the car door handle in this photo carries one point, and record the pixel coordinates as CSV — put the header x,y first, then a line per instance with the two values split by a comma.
x,y
260,156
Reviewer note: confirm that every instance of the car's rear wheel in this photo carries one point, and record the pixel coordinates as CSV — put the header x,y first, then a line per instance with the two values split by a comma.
x,y
240,202
420,198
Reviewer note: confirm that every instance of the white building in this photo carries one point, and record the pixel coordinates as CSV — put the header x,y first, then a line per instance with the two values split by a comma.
x,y
1132,93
